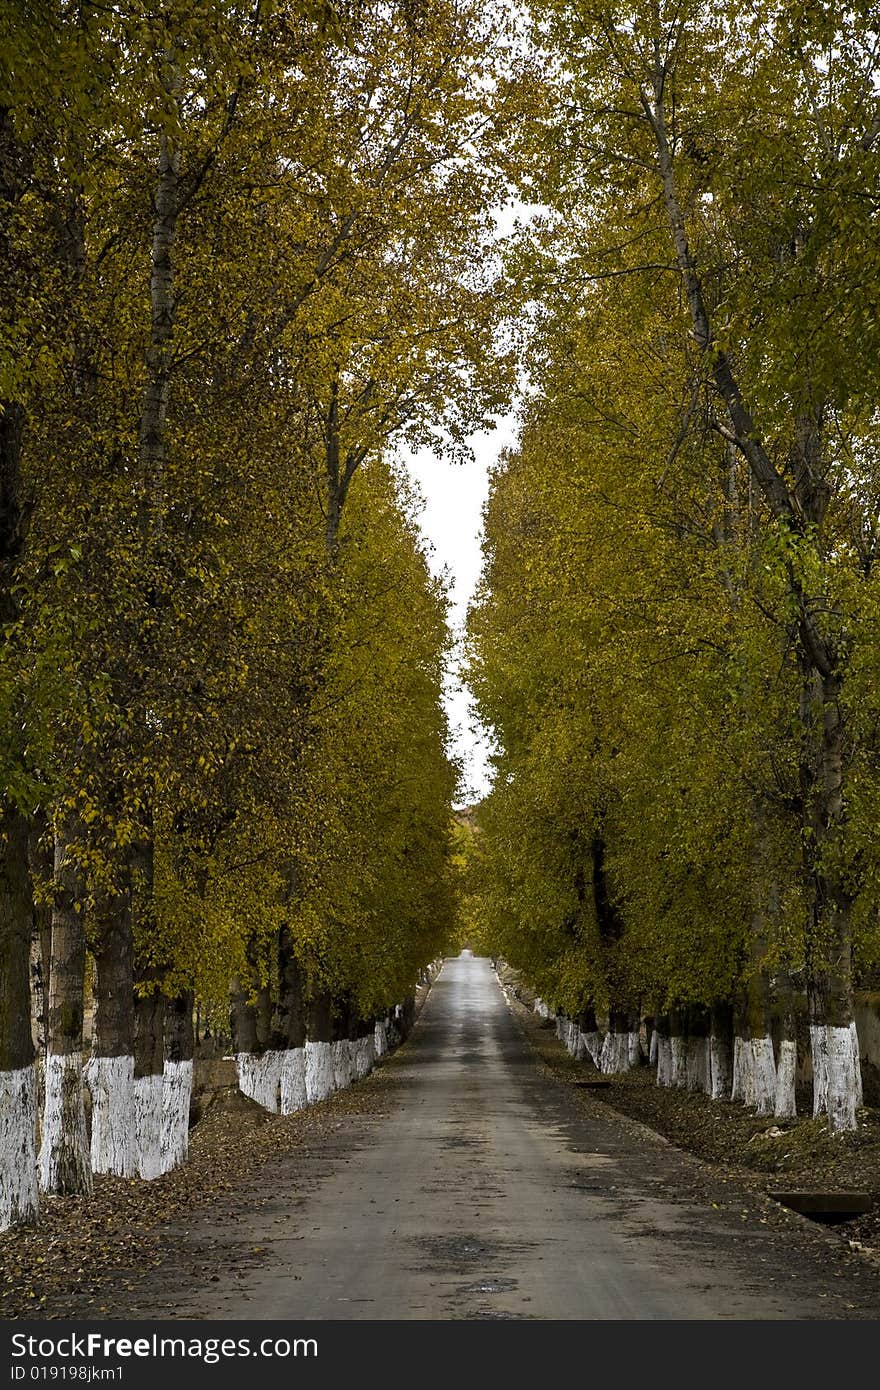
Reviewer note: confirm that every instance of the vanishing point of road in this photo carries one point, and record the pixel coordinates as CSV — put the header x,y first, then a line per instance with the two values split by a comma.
x,y
480,1186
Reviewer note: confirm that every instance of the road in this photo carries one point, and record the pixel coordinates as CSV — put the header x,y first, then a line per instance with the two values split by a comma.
x,y
479,1186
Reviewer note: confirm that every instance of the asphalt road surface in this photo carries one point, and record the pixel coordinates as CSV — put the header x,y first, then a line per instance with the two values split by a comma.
x,y
481,1187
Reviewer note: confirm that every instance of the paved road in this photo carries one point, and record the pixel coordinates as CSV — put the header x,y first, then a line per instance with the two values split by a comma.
x,y
481,1187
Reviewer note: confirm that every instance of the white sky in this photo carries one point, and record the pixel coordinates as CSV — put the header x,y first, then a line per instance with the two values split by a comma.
x,y
452,524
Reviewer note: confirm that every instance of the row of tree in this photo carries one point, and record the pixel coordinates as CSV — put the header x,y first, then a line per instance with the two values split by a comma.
x,y
676,639
245,247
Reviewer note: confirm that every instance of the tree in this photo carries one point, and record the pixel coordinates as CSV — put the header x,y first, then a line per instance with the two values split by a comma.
x,y
750,545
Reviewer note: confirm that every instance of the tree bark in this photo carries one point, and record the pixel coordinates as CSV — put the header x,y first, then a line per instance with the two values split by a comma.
x,y
149,1068
697,1055
786,1063
343,1037
319,1048
763,1064
742,1084
110,1070
65,1164
41,858
365,1049
177,1080
588,1029
254,1037
290,1028
678,1047
18,1168
837,1071
721,1050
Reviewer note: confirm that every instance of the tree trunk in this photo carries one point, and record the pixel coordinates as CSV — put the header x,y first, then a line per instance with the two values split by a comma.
x,y
149,1007
242,1018
177,1080
407,1016
837,1070
591,1039
259,1063
290,1028
18,1166
110,1069
620,1047
786,1065
343,1026
65,1165
149,1069
662,1033
742,1086
697,1055
720,1051
763,1062
365,1054
678,1047
41,858
319,1048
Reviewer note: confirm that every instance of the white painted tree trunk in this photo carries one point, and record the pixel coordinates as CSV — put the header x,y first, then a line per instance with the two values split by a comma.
x,y
617,1051
652,1051
634,1050
249,1074
19,1197
679,1060
364,1057
721,1079
786,1071
741,1086
697,1064
272,1067
177,1082
293,1080
259,1076
380,1039
592,1044
111,1085
763,1076
664,1060
342,1070
560,1021
857,1063
819,1058
148,1124
844,1082
319,1071
64,1147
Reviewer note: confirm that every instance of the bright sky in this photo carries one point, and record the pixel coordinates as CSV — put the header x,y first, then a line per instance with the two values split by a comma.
x,y
452,523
